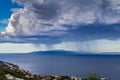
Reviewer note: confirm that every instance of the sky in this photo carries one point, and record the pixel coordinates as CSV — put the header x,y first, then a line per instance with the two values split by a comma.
x,y
72,25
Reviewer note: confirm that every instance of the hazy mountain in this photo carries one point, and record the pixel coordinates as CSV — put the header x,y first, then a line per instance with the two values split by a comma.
x,y
63,52
55,52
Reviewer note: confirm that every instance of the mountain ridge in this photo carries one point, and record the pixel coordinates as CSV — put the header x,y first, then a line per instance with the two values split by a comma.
x,y
63,52
53,52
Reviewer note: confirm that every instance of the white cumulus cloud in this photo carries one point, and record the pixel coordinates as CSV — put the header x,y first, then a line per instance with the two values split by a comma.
x,y
49,20
39,17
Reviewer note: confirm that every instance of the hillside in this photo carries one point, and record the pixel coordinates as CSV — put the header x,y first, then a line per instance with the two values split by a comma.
x,y
10,71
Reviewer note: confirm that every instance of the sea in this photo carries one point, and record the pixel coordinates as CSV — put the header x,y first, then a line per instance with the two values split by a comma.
x,y
107,66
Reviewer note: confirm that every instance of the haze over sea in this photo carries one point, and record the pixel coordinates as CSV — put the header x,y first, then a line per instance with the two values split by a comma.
x,y
45,63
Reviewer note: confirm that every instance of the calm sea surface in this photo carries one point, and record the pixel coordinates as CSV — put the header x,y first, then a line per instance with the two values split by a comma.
x,y
103,65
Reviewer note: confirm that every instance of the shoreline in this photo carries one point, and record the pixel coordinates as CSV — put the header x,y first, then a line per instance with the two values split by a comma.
x,y
20,74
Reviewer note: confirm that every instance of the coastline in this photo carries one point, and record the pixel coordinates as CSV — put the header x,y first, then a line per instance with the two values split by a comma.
x,y
20,74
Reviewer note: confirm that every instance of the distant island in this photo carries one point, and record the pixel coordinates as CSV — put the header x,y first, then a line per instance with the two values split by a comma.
x,y
73,53
55,52
10,71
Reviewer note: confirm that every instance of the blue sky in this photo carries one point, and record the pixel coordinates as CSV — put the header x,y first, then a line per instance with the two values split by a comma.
x,y
5,8
6,13
76,25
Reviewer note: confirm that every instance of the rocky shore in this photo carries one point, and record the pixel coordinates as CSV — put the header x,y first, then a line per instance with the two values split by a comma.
x,y
10,71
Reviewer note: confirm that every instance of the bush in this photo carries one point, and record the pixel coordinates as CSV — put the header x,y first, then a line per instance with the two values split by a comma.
x,y
92,76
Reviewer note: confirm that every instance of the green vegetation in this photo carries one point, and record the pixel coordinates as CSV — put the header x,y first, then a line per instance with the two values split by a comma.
x,y
5,70
2,75
92,76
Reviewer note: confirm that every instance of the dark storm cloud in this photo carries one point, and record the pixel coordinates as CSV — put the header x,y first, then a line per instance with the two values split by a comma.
x,y
95,32
46,11
54,21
